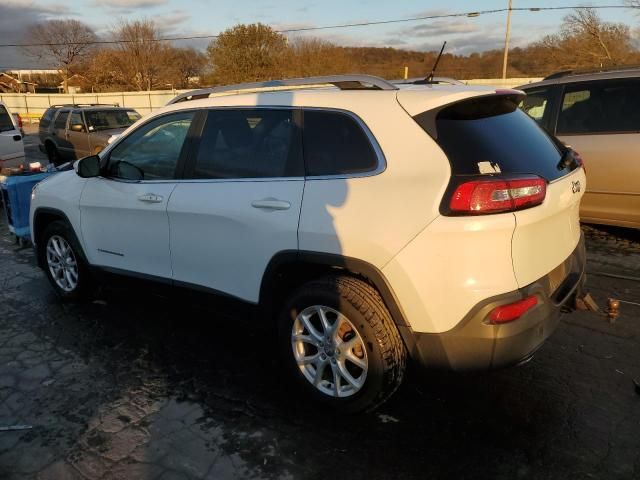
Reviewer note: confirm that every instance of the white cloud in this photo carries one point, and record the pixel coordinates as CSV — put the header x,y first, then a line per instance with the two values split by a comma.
x,y
127,4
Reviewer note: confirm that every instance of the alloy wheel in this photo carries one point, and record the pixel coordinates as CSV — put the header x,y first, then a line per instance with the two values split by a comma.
x,y
329,351
62,263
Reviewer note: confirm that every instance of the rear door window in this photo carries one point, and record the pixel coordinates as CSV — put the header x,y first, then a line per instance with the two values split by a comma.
x,y
248,143
76,120
611,106
61,120
335,144
6,123
491,135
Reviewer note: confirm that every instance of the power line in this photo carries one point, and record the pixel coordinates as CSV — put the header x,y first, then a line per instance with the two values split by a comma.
x,y
333,27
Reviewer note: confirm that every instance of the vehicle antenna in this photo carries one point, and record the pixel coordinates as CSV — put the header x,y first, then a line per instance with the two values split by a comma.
x,y
429,79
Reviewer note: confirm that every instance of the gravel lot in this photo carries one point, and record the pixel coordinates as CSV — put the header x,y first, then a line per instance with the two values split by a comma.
x,y
137,385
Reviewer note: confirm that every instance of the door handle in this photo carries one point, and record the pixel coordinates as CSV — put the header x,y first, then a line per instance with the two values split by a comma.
x,y
271,204
150,198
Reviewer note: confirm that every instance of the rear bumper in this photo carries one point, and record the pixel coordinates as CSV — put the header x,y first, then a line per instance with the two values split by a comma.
x,y
474,344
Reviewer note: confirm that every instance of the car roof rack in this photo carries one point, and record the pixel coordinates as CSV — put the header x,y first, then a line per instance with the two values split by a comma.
x,y
343,82
80,105
424,81
567,73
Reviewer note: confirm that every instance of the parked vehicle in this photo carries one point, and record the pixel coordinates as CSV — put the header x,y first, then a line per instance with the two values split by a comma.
x,y
11,141
375,223
69,132
597,114
17,121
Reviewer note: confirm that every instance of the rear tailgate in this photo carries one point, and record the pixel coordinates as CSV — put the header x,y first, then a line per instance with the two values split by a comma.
x,y
488,138
547,234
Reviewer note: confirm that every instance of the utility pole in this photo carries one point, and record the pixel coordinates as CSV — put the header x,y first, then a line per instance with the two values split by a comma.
x,y
506,42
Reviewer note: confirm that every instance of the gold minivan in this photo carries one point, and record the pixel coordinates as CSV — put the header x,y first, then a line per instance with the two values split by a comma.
x,y
598,115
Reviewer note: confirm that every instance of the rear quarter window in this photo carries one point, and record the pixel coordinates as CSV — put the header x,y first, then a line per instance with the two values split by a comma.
x,y
491,135
45,121
335,144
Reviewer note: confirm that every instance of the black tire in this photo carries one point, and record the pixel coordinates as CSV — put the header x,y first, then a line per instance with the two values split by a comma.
x,y
52,154
84,285
362,305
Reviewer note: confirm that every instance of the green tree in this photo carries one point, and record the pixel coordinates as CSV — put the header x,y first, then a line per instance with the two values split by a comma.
x,y
248,53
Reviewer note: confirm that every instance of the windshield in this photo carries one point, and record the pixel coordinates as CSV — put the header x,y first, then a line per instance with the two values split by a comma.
x,y
108,119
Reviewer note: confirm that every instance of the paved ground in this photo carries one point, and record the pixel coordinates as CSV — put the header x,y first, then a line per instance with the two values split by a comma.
x,y
31,141
139,386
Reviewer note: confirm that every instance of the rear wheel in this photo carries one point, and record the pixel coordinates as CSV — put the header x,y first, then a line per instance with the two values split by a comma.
x,y
341,345
52,154
64,262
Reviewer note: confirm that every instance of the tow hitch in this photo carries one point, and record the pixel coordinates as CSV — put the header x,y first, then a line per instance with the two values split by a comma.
x,y
587,303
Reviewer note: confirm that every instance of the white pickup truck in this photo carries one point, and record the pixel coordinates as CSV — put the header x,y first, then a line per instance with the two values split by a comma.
x,y
11,142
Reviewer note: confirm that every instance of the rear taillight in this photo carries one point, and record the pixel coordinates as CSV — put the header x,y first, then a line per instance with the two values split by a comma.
x,y
19,118
513,311
478,197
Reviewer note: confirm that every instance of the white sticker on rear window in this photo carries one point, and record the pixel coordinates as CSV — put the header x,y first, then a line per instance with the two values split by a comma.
x,y
488,167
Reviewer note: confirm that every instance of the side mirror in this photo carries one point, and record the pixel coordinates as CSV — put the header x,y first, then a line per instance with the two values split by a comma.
x,y
76,127
88,167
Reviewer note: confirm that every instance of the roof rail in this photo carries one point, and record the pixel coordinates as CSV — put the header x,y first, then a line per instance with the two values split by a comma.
x,y
80,105
566,73
343,82
433,81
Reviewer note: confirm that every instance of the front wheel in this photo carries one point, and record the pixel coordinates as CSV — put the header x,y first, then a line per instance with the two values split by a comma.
x,y
64,262
341,345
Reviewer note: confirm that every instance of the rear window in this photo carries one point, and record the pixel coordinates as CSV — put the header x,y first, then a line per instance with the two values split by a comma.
x,y
5,120
490,135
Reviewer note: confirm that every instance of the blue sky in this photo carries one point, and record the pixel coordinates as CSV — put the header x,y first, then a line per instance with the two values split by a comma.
x,y
201,17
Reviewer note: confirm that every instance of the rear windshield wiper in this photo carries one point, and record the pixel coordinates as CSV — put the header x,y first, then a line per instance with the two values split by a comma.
x,y
567,160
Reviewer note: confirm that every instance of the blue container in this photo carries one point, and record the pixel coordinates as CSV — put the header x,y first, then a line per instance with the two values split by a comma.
x,y
16,196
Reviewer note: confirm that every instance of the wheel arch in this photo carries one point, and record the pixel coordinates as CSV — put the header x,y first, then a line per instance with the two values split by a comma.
x,y
289,269
44,216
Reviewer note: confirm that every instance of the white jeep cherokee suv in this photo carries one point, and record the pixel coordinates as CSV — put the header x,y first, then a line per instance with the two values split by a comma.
x,y
375,223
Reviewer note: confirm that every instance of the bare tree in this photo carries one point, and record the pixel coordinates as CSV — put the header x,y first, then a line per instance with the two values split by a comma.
x,y
248,53
587,41
140,53
66,43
